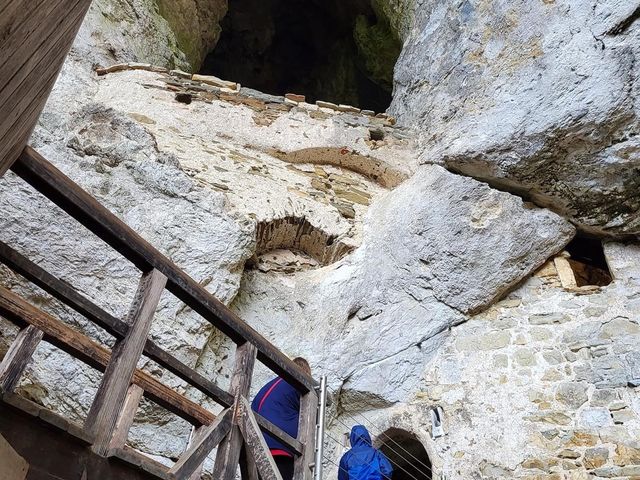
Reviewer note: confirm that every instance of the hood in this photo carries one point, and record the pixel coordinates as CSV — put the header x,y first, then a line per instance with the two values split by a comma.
x,y
360,437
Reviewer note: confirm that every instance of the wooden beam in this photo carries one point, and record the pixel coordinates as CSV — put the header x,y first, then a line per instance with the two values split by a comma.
x,y
36,37
196,454
228,455
114,326
197,434
52,183
18,357
127,415
279,434
248,468
307,435
110,398
21,313
255,443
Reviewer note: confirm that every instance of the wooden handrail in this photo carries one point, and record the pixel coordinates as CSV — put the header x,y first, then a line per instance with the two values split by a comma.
x,y
114,326
52,183
17,310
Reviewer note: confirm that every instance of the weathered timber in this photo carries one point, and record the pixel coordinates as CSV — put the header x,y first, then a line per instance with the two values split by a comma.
x,y
109,401
306,434
196,454
21,313
145,464
255,444
197,434
279,434
228,454
248,469
128,413
18,357
47,179
116,327
36,36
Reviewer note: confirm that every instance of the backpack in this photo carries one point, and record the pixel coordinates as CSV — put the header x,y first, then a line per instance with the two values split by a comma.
x,y
369,471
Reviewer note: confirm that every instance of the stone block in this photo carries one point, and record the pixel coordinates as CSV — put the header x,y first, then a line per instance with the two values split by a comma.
x,y
215,81
295,97
525,357
488,341
595,457
568,453
626,455
548,318
572,394
595,418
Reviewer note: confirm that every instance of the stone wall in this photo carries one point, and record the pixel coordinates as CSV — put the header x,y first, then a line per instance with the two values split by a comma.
x,y
543,385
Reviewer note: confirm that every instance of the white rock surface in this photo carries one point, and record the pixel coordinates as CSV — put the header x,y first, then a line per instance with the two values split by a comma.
x,y
537,98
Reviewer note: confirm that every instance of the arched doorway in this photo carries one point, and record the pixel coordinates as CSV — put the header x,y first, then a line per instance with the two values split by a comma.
x,y
407,455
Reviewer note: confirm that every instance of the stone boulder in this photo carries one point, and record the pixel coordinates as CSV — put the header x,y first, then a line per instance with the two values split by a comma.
x,y
536,98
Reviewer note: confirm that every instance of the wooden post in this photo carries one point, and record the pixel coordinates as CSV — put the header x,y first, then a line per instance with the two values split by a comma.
x,y
18,357
110,399
197,434
228,455
196,454
306,434
119,439
255,443
248,469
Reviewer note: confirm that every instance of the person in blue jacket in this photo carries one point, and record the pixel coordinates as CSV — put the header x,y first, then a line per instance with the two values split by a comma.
x,y
279,403
363,462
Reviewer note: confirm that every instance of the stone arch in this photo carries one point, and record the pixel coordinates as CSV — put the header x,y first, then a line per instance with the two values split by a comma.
x,y
297,234
372,168
407,454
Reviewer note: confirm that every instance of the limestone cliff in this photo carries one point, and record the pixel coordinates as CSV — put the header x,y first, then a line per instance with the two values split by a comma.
x,y
363,244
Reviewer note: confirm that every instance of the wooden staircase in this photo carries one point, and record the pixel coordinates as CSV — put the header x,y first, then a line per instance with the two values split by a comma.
x,y
36,35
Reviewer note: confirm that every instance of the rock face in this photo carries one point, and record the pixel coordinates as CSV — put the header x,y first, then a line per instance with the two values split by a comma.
x,y
333,233
176,34
534,98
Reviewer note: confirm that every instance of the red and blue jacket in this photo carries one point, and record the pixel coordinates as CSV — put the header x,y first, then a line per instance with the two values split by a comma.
x,y
279,403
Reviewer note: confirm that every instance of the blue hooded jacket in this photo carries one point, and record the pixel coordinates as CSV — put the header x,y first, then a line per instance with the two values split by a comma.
x,y
363,462
279,403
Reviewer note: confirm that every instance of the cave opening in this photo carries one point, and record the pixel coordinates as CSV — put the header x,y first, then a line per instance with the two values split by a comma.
x,y
339,51
588,262
407,455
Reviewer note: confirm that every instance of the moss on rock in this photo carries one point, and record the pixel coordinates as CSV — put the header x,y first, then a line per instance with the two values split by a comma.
x,y
196,25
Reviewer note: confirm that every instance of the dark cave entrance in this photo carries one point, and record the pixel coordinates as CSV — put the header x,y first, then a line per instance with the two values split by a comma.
x,y
407,455
588,262
341,51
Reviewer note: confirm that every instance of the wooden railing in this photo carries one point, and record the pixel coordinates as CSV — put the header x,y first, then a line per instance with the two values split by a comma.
x,y
236,432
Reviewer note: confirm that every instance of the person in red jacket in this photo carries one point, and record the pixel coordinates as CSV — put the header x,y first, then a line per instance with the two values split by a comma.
x,y
279,403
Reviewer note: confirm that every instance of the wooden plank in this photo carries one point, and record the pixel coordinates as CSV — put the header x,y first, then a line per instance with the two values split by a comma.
x,y
279,434
195,455
36,74
228,454
248,468
47,179
18,357
21,313
110,398
307,435
255,443
32,33
131,403
197,434
116,327
141,462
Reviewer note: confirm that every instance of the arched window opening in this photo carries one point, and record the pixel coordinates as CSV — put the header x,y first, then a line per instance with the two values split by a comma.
x,y
332,50
407,455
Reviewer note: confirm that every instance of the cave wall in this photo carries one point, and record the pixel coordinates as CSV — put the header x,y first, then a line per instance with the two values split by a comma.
x,y
436,305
